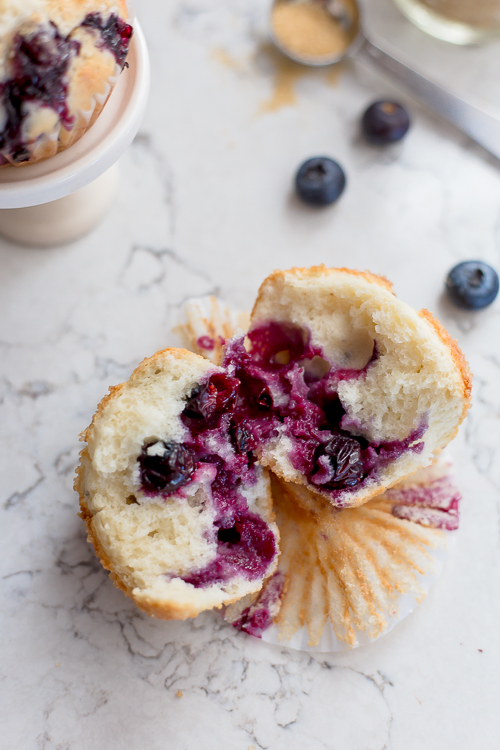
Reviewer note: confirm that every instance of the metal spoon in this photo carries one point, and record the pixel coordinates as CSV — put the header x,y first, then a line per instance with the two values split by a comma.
x,y
478,125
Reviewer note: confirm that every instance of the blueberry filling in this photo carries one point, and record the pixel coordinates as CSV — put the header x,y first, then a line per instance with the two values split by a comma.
x,y
39,63
281,386
207,403
206,342
115,33
245,544
288,388
256,618
247,547
435,504
39,66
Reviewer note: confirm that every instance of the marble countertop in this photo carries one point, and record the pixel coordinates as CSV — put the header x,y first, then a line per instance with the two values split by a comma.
x,y
206,206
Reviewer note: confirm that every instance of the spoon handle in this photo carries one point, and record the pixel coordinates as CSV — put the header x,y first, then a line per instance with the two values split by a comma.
x,y
480,126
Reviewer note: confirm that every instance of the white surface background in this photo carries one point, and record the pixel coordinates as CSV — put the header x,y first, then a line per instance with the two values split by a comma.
x,y
206,205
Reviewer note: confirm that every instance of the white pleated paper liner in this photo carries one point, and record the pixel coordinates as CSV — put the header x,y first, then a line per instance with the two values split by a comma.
x,y
329,643
347,577
205,323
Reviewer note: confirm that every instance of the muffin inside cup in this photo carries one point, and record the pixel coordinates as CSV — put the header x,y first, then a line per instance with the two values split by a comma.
x,y
58,65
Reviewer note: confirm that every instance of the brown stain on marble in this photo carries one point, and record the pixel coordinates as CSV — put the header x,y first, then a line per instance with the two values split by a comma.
x,y
223,57
287,73
284,72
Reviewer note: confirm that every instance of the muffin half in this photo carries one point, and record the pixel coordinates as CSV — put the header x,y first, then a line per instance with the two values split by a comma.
x,y
174,503
343,387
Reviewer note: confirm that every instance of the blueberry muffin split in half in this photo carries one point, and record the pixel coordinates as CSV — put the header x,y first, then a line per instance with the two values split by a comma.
x,y
175,504
344,388
337,386
58,64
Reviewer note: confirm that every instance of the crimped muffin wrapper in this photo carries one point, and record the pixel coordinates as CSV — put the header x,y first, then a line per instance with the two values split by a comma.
x,y
349,576
406,603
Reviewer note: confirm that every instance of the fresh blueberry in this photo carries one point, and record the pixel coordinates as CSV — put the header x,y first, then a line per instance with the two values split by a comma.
x,y
472,285
385,122
320,181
